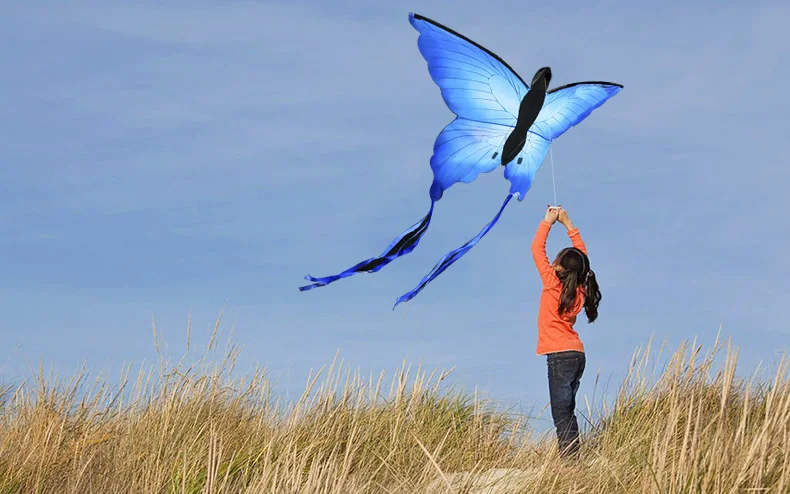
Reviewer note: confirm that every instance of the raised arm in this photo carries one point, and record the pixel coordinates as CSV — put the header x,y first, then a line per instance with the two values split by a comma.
x,y
546,272
573,232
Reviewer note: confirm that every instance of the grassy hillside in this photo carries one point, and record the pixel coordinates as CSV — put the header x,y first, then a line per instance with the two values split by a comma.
x,y
691,427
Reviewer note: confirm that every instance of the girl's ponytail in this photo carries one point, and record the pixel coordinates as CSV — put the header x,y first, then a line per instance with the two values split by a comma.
x,y
593,296
576,273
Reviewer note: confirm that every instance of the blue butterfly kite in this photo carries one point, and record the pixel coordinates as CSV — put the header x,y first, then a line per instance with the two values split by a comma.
x,y
500,121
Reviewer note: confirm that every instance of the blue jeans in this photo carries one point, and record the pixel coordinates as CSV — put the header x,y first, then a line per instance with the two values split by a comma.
x,y
565,372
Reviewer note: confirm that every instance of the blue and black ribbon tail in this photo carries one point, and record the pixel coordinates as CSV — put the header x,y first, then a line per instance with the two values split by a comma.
x,y
401,246
451,257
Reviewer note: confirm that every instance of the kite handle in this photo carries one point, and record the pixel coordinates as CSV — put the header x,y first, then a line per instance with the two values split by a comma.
x,y
554,207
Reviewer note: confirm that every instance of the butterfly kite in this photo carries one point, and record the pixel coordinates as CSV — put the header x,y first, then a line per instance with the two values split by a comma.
x,y
500,121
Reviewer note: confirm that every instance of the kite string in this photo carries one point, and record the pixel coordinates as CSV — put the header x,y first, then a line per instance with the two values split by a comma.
x,y
553,182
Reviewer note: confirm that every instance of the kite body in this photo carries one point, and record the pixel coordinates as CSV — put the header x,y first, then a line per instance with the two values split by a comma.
x,y
528,111
500,121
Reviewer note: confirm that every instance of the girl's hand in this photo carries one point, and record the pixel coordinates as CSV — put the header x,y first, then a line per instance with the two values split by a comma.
x,y
551,215
565,219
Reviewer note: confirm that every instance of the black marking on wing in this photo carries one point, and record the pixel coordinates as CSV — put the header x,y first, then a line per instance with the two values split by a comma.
x,y
585,82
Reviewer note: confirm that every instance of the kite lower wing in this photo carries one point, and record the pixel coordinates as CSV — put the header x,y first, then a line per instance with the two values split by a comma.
x,y
463,150
521,171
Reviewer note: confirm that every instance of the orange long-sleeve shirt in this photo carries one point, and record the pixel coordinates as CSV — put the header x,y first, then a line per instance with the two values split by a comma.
x,y
555,332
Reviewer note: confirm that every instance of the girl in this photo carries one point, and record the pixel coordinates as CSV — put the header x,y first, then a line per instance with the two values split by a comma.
x,y
568,286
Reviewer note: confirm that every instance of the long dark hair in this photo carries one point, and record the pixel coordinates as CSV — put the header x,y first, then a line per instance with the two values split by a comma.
x,y
576,272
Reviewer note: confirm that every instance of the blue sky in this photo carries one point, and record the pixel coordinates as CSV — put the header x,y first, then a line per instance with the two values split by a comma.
x,y
162,160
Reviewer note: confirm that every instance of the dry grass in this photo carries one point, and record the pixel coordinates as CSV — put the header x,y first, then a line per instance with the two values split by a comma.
x,y
692,427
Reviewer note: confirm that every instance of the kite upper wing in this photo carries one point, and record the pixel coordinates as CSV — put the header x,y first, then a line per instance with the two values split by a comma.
x,y
476,84
485,94
568,105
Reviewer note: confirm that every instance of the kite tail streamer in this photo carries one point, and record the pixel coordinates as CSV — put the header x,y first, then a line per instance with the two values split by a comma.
x,y
451,257
401,246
